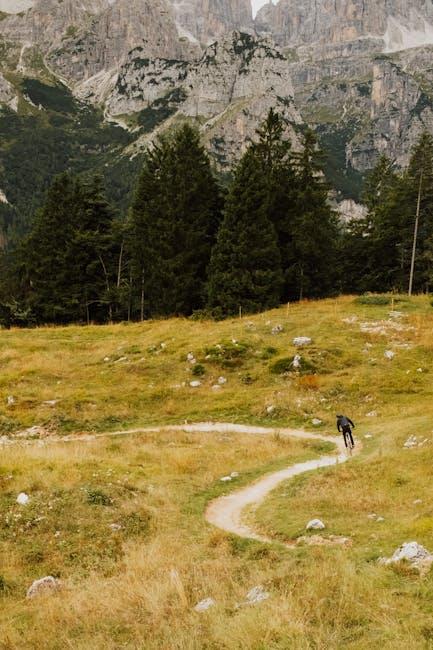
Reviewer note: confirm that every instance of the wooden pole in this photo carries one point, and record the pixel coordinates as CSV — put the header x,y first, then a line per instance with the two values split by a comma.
x,y
415,236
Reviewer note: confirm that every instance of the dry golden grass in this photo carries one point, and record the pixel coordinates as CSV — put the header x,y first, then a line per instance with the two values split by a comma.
x,y
136,588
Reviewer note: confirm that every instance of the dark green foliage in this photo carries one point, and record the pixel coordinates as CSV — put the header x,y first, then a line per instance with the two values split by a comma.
x,y
245,268
98,498
373,300
284,366
174,220
55,98
312,272
198,370
68,262
382,244
228,354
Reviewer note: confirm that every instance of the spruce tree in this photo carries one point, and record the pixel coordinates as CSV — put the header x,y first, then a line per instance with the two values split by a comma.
x,y
174,219
51,290
273,153
314,269
245,268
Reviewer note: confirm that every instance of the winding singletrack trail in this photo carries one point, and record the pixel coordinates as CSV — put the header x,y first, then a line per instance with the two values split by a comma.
x,y
227,512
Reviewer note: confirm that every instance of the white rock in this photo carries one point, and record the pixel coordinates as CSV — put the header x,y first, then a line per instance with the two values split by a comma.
x,y
23,499
389,354
50,402
190,358
270,409
204,605
301,341
195,384
234,474
420,370
115,527
411,442
278,329
106,359
43,586
296,363
10,400
368,436
222,381
225,479
412,552
121,359
256,595
316,422
216,387
315,524
417,502
380,519
372,414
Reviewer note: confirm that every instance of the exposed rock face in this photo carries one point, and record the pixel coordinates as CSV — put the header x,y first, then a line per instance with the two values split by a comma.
x,y
229,90
398,22
208,20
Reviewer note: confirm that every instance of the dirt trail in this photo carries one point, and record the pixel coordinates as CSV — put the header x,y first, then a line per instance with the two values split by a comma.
x,y
227,512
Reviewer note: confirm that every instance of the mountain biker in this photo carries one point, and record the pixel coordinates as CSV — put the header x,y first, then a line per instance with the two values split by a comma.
x,y
345,426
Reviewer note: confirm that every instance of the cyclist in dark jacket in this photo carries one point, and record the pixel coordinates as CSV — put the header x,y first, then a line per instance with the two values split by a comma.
x,y
345,426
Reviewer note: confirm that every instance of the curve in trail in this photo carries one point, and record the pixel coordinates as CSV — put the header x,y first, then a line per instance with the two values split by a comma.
x,y
227,512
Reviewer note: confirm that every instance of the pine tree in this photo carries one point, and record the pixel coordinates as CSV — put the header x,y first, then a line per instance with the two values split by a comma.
x,y
393,219
245,268
273,153
70,252
313,271
174,220
49,275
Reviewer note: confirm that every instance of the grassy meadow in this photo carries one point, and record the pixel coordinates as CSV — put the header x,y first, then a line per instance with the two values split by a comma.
x,y
120,520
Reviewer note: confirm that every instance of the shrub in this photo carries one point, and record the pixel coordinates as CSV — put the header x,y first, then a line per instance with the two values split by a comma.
x,y
228,354
373,299
198,370
285,365
98,498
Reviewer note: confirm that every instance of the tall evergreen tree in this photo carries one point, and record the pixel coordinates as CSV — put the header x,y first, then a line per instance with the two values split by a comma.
x,y
274,156
174,219
245,268
69,254
313,271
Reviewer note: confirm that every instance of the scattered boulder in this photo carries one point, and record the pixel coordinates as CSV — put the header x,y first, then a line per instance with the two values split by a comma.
x,y
389,354
256,595
278,329
216,387
296,363
115,527
368,436
414,441
316,422
413,553
191,358
226,479
204,605
43,586
417,502
23,499
372,414
50,402
10,400
315,524
301,341
222,381
234,474
195,384
270,409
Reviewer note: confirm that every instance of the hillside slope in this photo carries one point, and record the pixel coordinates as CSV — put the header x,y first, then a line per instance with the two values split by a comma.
x,y
120,521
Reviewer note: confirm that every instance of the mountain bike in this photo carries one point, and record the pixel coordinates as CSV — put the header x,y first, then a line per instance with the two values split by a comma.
x,y
348,440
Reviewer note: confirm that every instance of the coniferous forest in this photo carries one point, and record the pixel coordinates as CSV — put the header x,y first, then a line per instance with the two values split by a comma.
x,y
191,246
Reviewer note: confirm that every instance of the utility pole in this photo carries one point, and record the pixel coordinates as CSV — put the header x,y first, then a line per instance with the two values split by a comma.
x,y
415,235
